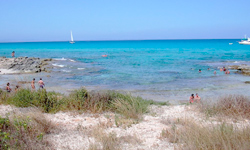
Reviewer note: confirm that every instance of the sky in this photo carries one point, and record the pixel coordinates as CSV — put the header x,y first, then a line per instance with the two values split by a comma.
x,y
52,20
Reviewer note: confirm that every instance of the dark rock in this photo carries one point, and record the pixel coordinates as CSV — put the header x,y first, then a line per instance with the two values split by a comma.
x,y
24,64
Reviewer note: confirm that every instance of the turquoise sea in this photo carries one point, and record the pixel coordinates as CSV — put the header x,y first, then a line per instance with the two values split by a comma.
x,y
155,69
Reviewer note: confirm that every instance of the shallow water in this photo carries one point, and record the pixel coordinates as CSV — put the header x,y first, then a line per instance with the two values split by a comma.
x,y
160,69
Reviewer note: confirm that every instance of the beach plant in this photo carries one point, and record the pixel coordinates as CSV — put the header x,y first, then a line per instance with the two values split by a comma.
x,y
130,107
23,132
80,100
46,100
222,136
22,98
235,106
75,100
191,135
40,98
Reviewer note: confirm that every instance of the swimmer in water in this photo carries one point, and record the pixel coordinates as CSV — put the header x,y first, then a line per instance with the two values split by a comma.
x,y
199,70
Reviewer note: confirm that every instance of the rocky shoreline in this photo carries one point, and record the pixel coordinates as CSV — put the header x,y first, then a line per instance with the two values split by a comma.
x,y
24,65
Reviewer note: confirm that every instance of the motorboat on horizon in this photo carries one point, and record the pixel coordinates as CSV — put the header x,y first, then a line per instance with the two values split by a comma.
x,y
245,41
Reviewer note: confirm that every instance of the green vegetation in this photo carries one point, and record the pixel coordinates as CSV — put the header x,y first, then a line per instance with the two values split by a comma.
x,y
23,132
79,100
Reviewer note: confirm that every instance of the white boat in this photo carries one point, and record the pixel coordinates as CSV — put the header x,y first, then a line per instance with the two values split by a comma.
x,y
72,40
230,43
245,41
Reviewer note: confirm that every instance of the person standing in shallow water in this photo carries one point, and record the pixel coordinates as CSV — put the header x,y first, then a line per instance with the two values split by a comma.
x,y
8,89
41,83
33,84
191,98
13,54
197,98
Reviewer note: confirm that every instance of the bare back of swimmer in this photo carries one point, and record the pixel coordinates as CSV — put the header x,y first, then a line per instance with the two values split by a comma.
x,y
41,83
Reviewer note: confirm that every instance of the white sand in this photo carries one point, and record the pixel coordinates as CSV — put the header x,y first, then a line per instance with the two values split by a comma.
x,y
73,128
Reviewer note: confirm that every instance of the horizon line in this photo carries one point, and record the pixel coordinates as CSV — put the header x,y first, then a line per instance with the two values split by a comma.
x,y
117,40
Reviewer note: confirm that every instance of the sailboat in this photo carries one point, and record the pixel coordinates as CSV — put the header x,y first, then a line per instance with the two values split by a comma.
x,y
72,40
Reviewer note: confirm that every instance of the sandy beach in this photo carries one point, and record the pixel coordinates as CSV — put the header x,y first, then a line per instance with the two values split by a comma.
x,y
75,131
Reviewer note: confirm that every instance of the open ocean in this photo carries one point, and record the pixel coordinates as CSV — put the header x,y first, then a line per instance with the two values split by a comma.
x,y
162,70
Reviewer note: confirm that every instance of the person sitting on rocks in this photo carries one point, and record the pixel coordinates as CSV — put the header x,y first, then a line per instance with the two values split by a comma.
x,y
197,98
8,89
41,83
191,98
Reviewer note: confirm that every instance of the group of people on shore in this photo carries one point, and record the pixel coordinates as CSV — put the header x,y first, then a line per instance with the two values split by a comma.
x,y
33,87
195,98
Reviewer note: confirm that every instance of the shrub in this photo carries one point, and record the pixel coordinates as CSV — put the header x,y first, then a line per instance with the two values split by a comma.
x,y
75,101
41,98
22,98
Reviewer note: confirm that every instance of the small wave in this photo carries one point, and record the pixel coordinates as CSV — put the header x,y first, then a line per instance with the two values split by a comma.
x,y
236,62
60,58
66,70
56,65
80,68
72,60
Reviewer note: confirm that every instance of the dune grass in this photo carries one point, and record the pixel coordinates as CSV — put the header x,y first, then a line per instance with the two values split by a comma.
x,y
193,136
79,100
234,106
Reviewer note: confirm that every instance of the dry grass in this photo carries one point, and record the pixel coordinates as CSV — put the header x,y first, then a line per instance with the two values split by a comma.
x,y
193,136
103,140
108,141
234,106
24,131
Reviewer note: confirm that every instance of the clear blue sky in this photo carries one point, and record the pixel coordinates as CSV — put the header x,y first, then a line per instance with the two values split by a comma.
x,y
52,20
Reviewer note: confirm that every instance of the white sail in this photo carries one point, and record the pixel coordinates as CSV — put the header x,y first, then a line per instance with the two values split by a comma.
x,y
72,40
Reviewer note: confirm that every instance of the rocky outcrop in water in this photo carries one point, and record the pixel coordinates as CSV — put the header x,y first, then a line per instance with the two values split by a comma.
x,y
25,64
241,69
